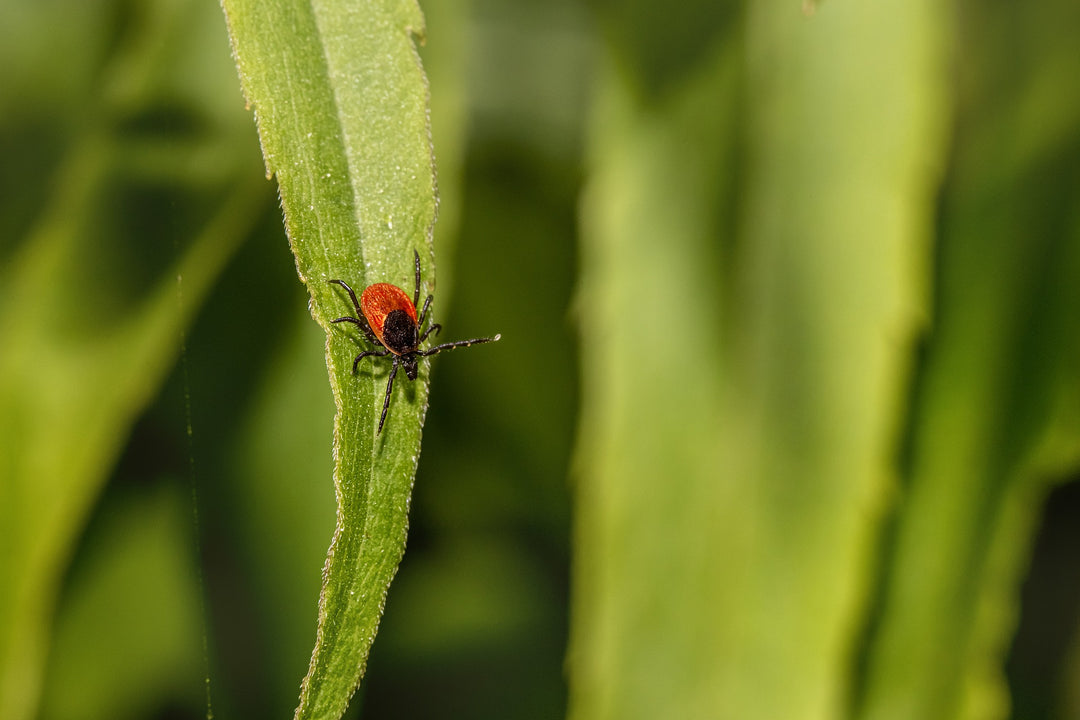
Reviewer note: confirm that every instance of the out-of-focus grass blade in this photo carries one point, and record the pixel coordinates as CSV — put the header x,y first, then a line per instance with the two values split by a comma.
x,y
68,395
153,636
744,356
996,416
996,421
648,598
341,104
89,324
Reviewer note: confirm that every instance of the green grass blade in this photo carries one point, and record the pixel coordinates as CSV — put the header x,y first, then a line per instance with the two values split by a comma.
x,y
996,416
153,634
755,228
65,408
341,104
91,313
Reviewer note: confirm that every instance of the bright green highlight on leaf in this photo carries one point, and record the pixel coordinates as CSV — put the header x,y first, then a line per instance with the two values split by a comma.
x,y
341,104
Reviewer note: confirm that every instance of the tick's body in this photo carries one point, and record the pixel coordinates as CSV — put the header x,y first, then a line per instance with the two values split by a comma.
x,y
392,317
387,317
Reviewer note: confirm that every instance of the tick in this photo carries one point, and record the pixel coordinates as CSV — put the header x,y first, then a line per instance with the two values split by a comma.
x,y
387,317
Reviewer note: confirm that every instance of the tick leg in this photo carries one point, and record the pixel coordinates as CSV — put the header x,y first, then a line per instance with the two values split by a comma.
x,y
358,320
423,313
416,292
352,295
372,353
434,328
389,388
460,343
362,325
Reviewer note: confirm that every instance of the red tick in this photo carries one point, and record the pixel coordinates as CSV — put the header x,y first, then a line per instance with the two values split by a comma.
x,y
387,317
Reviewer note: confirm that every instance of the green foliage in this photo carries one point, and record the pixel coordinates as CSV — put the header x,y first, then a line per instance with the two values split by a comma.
x,y
90,323
750,541
143,545
764,468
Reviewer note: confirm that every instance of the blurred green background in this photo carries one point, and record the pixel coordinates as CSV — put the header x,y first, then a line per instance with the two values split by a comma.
x,y
789,309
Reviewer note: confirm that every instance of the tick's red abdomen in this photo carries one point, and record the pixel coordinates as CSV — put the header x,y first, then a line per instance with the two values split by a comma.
x,y
377,302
